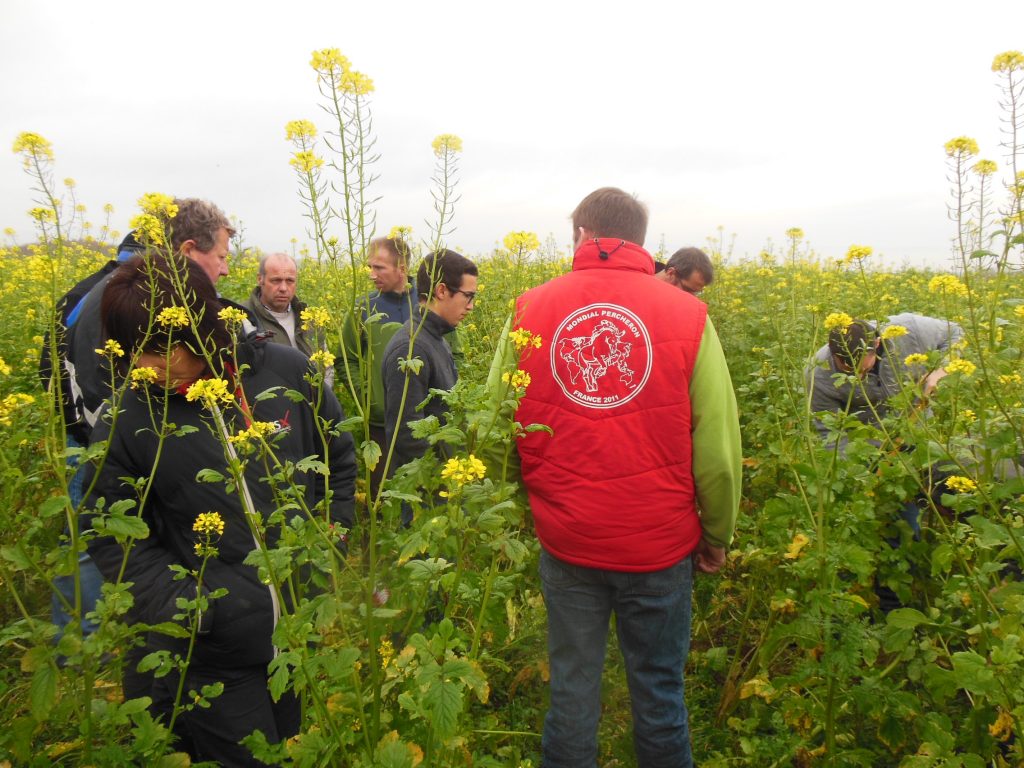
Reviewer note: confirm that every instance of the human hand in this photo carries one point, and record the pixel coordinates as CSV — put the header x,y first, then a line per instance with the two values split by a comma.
x,y
932,381
708,558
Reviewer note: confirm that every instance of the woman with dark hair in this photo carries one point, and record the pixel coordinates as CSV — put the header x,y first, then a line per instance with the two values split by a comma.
x,y
195,397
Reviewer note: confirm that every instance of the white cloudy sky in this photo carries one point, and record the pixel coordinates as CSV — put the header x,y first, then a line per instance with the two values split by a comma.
x,y
750,115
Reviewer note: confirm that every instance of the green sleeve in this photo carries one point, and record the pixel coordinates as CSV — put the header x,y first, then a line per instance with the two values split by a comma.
x,y
717,450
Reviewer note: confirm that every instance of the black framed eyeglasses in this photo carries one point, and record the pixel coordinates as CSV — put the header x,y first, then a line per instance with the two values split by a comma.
x,y
470,295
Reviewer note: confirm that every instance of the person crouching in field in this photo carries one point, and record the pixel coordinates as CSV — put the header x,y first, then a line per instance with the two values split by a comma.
x,y
197,398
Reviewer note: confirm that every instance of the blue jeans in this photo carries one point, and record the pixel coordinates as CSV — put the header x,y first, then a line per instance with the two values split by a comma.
x,y
652,621
89,578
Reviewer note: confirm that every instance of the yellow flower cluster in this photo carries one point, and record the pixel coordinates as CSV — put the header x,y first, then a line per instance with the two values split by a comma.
x,y
795,233
894,332
445,143
985,167
915,359
212,392
173,316
142,375
948,284
255,431
461,471
1019,311
521,242
961,484
1011,378
306,161
796,546
355,83
838,320
400,231
857,253
522,338
233,316
322,358
43,215
110,349
968,415
5,369
966,367
519,380
159,205
386,651
300,130
314,317
328,61
148,229
1010,61
209,523
10,404
961,147
33,147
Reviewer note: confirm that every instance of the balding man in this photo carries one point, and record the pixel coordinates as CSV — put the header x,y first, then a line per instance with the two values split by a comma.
x,y
278,309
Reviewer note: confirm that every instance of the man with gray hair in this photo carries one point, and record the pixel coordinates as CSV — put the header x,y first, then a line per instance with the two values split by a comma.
x,y
689,269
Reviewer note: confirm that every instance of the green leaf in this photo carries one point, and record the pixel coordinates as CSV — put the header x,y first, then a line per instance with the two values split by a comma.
x,y
972,673
942,559
122,526
905,618
42,693
186,429
371,454
16,556
311,464
443,700
208,475
53,506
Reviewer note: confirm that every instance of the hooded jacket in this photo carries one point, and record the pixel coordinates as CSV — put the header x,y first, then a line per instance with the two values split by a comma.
x,y
243,620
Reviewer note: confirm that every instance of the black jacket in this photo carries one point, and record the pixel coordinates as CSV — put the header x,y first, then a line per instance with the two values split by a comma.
x,y
244,619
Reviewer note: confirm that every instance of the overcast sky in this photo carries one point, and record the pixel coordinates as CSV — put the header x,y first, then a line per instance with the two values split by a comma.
x,y
752,116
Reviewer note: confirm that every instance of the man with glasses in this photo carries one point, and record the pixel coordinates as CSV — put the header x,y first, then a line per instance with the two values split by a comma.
x,y
689,269
446,283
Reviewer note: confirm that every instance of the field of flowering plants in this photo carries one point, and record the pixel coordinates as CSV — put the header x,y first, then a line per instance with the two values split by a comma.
x,y
426,645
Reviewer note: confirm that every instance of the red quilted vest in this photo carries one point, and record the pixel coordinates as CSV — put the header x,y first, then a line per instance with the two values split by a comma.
x,y
613,487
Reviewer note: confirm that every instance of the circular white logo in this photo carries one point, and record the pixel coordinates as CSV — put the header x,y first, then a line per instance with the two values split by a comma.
x,y
601,355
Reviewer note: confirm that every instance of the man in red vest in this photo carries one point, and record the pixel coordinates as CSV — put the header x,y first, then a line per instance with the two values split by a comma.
x,y
631,378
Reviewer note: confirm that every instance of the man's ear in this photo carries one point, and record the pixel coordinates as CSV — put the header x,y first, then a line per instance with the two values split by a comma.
x,y
187,247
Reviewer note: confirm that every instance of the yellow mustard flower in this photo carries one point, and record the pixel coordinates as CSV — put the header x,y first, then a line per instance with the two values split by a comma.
x,y
33,146
796,546
1019,311
966,367
400,231
917,358
961,484
70,183
209,523
857,253
984,167
299,129
173,316
446,142
329,61
1010,61
386,651
520,242
1011,378
43,215
314,317
305,161
212,392
839,320
968,415
159,205
355,83
110,349
322,358
519,380
148,229
795,233
233,316
142,375
5,369
522,339
894,332
961,146
948,284
461,471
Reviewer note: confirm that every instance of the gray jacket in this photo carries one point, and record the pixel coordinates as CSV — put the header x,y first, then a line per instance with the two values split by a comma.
x,y
870,394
